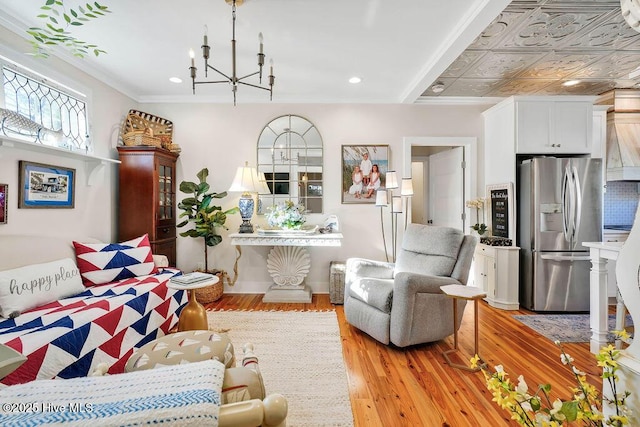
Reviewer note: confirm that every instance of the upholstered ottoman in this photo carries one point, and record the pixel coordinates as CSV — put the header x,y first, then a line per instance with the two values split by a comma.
x,y
240,383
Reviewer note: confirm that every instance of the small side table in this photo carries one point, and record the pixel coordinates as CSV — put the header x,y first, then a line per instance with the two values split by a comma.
x,y
193,316
467,293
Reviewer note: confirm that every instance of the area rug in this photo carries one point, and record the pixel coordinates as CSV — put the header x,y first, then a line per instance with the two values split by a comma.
x,y
565,327
300,357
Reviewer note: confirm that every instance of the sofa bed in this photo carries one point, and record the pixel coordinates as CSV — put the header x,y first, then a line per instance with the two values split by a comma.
x,y
66,330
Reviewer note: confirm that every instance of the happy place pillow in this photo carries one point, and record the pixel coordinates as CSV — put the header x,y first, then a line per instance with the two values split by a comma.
x,y
109,262
38,284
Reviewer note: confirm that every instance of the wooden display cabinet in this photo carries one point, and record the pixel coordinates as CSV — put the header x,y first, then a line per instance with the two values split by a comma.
x,y
147,197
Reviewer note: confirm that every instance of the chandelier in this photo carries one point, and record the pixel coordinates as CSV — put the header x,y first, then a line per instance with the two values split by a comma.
x,y
233,79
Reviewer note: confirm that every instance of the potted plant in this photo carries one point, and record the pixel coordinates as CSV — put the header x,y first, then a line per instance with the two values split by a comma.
x,y
199,211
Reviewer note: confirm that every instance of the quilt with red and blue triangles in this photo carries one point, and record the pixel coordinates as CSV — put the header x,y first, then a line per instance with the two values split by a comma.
x,y
68,338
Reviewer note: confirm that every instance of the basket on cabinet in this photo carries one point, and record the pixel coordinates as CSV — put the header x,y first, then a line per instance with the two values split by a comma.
x,y
146,129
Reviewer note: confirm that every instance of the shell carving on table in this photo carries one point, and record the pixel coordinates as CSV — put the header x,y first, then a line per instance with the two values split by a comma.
x,y
288,265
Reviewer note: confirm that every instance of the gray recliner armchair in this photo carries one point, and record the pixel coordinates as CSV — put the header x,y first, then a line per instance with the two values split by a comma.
x,y
402,303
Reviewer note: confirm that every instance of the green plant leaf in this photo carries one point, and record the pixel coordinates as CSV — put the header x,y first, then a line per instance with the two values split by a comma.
x,y
203,174
183,223
220,195
89,6
73,12
188,187
50,2
203,188
570,410
213,240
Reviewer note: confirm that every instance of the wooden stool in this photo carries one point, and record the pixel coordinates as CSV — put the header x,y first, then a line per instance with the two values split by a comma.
x,y
467,293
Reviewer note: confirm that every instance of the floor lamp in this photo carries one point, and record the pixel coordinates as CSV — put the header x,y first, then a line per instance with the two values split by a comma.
x,y
381,202
396,208
391,183
406,191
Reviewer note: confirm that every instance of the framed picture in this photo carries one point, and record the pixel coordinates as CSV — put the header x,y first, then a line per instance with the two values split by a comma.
x,y
502,218
46,186
364,168
4,188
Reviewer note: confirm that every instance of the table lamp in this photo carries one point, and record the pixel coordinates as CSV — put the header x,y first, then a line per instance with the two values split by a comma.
x,y
247,182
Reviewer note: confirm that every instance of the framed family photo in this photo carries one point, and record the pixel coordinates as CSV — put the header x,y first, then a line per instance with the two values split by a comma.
x,y
4,188
46,186
364,168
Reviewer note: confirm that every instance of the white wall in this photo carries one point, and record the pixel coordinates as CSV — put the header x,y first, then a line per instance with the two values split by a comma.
x,y
95,206
223,137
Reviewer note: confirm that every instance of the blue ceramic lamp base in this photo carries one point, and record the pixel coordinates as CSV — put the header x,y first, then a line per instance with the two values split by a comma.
x,y
246,206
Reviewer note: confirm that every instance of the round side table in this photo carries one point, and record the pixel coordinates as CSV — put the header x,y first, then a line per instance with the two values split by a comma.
x,y
467,293
193,316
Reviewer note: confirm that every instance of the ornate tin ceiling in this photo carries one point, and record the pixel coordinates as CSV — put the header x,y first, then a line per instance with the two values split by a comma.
x,y
534,46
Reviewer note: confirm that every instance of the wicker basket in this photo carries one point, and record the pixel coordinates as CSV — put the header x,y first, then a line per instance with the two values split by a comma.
x,y
141,137
211,293
146,129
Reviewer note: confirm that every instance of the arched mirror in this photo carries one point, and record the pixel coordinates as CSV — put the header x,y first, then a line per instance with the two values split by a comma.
x,y
290,156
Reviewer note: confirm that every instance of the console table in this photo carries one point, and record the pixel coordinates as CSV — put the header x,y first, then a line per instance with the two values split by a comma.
x,y
288,261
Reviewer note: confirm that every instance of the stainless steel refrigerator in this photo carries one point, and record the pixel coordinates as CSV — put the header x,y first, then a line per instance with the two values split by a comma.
x,y
559,208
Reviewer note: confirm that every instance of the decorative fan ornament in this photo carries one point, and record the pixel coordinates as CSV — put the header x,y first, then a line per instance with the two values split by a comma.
x,y
631,13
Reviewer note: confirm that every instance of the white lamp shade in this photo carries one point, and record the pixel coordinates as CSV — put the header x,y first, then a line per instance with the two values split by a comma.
x,y
246,180
264,188
396,205
381,198
391,180
407,187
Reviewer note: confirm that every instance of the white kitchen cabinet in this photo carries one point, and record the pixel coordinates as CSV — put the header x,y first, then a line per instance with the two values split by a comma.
x,y
554,127
496,272
527,125
613,236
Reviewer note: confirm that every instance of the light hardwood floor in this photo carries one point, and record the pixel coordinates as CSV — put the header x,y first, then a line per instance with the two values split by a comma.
x,y
414,386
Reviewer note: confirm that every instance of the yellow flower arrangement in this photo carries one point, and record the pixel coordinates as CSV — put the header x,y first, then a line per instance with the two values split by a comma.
x,y
540,410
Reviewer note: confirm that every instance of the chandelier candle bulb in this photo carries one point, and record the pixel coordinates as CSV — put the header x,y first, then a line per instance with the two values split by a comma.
x,y
192,55
261,39
206,39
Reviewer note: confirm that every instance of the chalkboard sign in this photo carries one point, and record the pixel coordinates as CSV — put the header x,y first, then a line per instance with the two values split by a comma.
x,y
500,213
501,210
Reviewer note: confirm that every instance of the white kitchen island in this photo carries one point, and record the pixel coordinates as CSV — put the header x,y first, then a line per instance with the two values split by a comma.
x,y
601,253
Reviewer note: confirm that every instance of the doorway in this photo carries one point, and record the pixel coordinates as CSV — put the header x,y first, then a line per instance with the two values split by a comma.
x,y
446,184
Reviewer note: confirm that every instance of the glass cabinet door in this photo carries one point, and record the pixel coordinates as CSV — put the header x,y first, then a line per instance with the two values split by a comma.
x,y
166,196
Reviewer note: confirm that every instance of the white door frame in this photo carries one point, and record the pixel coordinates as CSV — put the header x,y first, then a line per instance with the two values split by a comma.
x,y
470,144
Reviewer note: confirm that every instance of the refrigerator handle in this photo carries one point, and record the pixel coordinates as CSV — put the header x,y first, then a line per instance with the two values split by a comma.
x,y
578,203
566,205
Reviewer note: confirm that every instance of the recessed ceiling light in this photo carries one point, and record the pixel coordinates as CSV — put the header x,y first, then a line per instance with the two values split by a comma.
x,y
571,83
175,79
437,87
355,80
